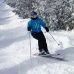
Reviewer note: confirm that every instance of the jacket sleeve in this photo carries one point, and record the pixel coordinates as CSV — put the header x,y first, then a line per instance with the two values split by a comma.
x,y
44,25
29,26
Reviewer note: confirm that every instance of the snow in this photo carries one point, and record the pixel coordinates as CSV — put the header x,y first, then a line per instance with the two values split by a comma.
x,y
16,57
1,1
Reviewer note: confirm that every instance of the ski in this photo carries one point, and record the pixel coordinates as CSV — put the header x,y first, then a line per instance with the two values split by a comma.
x,y
52,56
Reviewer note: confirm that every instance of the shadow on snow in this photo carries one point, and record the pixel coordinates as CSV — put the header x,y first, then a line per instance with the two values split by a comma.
x,y
30,64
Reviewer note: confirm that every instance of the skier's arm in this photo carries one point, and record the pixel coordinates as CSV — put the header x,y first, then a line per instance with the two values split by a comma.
x,y
46,28
44,25
29,27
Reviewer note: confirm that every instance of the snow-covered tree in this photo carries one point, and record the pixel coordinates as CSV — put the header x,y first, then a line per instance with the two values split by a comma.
x,y
24,7
56,13
12,3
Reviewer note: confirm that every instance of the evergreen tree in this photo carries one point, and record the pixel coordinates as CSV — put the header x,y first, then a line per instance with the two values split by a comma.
x,y
56,13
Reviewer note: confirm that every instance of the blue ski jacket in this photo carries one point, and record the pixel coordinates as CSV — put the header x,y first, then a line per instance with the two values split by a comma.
x,y
35,25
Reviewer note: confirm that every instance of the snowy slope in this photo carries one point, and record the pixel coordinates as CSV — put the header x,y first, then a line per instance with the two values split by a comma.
x,y
15,57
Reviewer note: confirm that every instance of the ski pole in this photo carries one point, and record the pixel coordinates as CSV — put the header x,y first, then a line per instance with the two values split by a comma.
x,y
54,39
30,43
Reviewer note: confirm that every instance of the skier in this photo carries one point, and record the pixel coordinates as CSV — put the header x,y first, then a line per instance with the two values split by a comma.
x,y
34,26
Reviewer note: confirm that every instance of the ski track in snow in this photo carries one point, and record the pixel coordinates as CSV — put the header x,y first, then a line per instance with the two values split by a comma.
x,y
15,48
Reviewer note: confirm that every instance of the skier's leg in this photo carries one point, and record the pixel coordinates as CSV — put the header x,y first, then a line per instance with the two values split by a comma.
x,y
40,46
36,36
42,52
43,43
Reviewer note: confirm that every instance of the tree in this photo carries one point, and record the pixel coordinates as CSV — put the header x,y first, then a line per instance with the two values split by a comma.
x,y
56,13
24,7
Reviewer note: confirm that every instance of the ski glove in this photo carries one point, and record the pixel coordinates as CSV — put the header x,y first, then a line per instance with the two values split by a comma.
x,y
47,29
29,29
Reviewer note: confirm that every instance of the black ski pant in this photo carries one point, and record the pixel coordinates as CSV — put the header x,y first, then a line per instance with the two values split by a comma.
x,y
41,41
